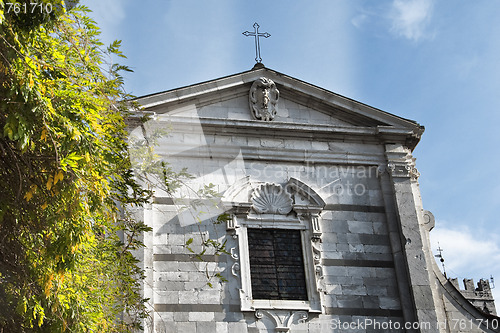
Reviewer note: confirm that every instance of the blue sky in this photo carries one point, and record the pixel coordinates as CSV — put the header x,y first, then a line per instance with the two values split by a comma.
x,y
436,62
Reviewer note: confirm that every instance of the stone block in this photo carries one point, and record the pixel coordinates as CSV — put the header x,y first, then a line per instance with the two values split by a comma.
x,y
240,115
329,238
378,281
173,276
349,301
370,302
336,270
354,239
206,326
343,248
354,290
423,297
298,144
360,227
356,248
194,139
201,316
336,226
380,228
166,297
318,145
272,143
169,285
376,290
385,273
209,297
378,249
239,140
253,142
332,254
187,327
368,239
214,111
164,327
333,289
360,271
221,327
181,316
188,297
240,327
329,247
222,139
342,238
341,215
390,303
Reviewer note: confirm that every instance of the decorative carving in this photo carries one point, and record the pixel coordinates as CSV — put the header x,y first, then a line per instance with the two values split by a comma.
x,y
404,169
429,221
231,223
234,254
235,269
414,174
318,269
282,320
263,98
271,199
316,229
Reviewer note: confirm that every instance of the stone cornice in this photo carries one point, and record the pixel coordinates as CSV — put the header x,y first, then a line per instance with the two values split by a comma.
x,y
283,130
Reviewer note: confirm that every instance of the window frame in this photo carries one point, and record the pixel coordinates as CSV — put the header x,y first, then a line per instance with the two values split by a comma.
x,y
274,221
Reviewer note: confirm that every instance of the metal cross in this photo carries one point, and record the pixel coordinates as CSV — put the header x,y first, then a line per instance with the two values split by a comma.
x,y
440,256
257,34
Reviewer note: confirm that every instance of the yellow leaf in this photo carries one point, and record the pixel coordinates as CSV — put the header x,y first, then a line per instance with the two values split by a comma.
x,y
28,196
50,183
44,206
58,176
44,134
31,83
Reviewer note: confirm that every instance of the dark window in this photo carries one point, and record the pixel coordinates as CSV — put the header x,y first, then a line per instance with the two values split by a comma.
x,y
276,264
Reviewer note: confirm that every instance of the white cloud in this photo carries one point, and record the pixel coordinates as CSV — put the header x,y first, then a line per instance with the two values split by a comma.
x,y
359,20
468,253
410,18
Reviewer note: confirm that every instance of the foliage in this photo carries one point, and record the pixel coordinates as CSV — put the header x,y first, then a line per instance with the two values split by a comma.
x,y
65,260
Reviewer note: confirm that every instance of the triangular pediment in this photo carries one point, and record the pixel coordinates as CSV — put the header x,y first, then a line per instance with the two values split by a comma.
x,y
298,103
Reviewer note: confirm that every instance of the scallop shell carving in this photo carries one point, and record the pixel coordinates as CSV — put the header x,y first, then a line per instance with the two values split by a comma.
x,y
271,199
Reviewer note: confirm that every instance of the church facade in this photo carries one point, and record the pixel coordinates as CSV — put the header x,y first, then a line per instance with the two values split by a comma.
x,y
302,213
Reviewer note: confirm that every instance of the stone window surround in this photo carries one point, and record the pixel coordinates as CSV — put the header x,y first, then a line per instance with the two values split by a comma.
x,y
305,219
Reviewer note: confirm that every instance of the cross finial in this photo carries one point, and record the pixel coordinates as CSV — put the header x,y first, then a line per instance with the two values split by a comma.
x,y
440,256
257,34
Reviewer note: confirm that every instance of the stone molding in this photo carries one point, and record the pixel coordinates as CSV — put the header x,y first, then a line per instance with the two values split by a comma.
x,y
273,206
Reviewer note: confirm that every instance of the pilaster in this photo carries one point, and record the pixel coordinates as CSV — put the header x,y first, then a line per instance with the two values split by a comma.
x,y
403,178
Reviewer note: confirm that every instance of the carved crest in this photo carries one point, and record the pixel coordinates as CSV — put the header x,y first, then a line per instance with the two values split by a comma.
x,y
271,199
263,98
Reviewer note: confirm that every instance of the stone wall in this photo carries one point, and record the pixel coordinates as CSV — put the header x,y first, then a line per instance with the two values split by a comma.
x,y
355,200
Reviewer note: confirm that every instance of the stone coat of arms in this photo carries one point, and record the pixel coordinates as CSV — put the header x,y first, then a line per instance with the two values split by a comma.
x,y
263,98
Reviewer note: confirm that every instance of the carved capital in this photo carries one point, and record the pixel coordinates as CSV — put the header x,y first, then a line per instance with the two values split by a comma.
x,y
403,170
